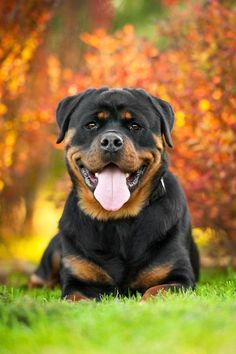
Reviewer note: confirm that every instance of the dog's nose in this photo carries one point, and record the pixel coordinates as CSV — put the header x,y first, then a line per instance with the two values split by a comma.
x,y
111,142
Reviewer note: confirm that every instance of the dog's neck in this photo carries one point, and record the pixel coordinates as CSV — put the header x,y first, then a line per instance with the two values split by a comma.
x,y
159,186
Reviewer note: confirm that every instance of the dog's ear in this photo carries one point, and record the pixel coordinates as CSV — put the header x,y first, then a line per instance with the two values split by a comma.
x,y
164,112
167,116
64,111
63,114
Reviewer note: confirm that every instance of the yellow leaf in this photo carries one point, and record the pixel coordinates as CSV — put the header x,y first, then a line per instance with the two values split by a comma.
x,y
1,185
204,105
3,109
10,138
180,119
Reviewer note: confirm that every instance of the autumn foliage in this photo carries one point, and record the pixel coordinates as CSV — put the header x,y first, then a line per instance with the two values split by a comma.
x,y
195,73
21,30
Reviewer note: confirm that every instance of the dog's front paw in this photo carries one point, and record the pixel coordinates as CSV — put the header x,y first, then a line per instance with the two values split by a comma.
x,y
76,296
160,290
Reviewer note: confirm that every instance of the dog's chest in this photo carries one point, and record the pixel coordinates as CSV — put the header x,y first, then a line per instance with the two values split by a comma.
x,y
118,251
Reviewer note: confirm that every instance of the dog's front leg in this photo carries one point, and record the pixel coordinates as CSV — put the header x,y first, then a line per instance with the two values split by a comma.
x,y
85,285
76,296
73,289
162,290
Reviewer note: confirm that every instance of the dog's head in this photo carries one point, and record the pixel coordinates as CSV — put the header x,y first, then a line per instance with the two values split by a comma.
x,y
114,146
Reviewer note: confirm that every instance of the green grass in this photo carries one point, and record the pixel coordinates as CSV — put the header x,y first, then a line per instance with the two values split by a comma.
x,y
200,322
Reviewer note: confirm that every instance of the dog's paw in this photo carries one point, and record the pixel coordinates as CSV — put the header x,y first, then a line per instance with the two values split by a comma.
x,y
160,290
76,296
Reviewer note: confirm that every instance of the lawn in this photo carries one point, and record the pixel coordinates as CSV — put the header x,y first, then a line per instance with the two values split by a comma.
x,y
197,322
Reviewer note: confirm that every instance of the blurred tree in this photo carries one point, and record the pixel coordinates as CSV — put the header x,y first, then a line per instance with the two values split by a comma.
x,y
69,21
22,26
41,62
39,52
200,81
142,14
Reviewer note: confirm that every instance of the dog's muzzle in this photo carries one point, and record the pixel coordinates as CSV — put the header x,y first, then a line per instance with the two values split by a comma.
x,y
112,186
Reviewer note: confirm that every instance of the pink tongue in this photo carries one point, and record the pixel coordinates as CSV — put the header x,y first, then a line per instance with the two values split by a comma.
x,y
112,191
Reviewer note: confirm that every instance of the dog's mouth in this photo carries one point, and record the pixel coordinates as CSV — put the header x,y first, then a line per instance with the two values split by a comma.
x,y
132,179
111,186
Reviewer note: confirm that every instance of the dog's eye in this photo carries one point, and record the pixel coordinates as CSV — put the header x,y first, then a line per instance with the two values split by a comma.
x,y
135,126
91,125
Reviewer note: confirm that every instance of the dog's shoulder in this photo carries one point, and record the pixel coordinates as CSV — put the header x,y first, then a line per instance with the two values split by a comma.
x,y
174,189
71,214
169,192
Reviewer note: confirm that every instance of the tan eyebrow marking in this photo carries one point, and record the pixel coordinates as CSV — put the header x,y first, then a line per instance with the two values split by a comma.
x,y
102,115
126,115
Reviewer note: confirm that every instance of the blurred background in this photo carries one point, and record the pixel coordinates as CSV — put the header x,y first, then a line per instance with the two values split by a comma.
x,y
181,51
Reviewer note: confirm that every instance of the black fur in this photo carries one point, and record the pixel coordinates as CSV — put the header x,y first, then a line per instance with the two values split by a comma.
x,y
160,234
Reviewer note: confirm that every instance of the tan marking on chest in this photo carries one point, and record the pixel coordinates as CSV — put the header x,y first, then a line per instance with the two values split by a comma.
x,y
87,270
151,276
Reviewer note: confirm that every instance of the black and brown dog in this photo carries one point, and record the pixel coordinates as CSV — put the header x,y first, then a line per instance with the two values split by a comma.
x,y
125,227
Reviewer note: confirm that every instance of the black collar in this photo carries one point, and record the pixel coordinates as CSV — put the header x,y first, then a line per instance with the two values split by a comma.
x,y
157,192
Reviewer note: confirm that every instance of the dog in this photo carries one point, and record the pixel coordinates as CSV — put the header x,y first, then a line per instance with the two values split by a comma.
x,y
125,228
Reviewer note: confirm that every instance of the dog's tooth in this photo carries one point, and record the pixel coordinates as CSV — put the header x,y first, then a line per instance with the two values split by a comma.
x,y
127,175
96,174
